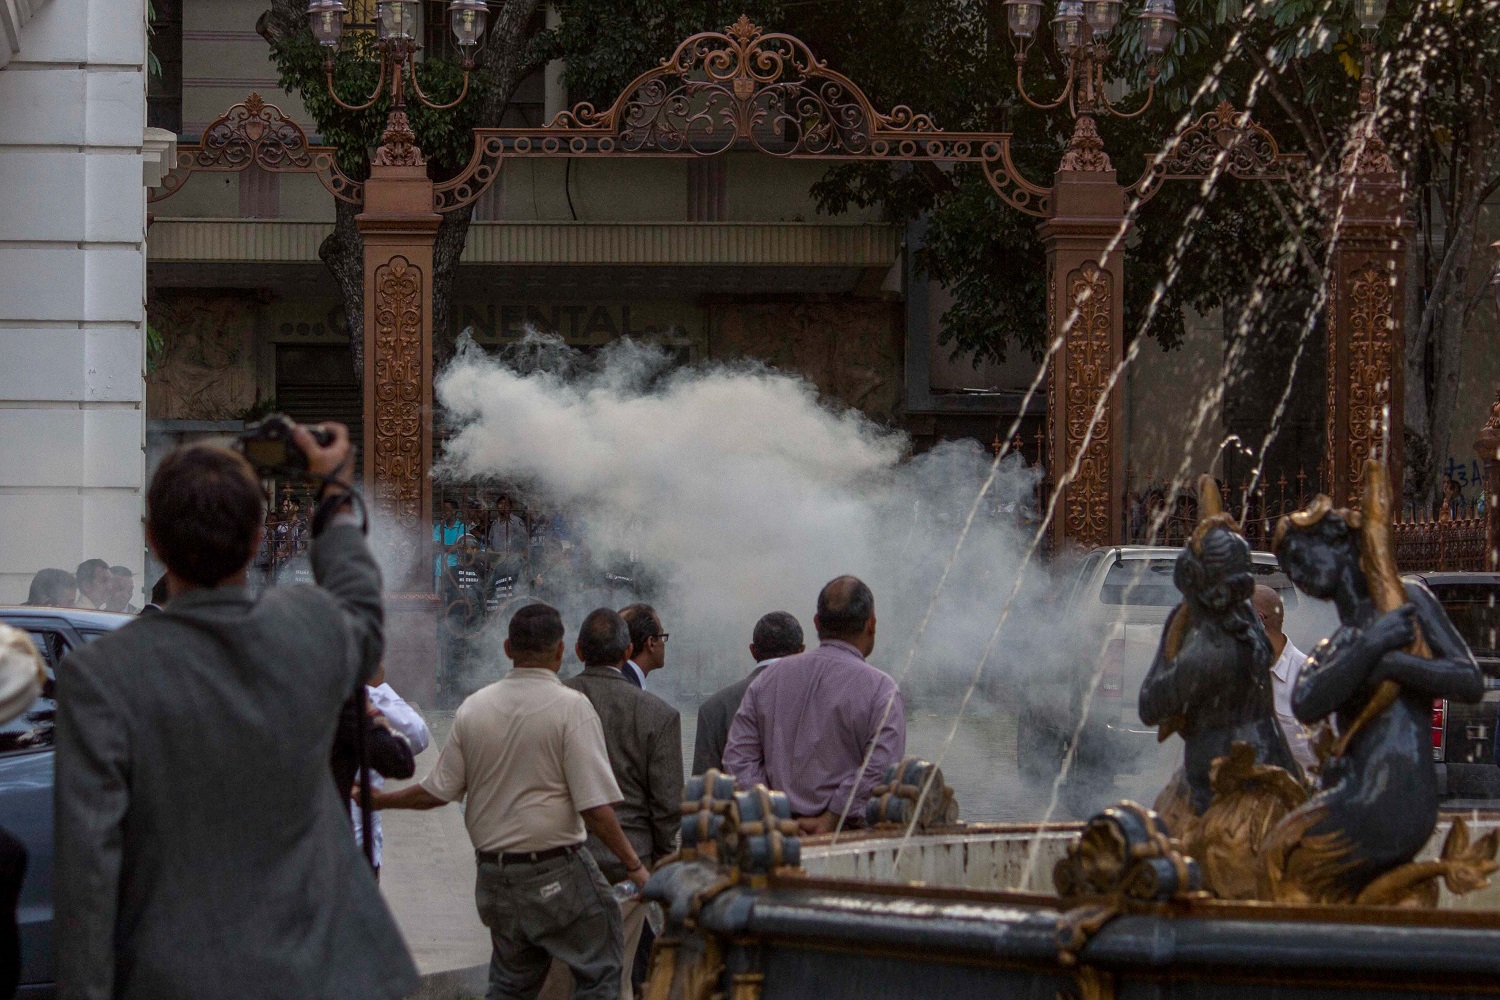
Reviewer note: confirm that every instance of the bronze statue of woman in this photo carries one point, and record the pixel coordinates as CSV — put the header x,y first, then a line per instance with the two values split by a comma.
x,y
1211,679
1394,652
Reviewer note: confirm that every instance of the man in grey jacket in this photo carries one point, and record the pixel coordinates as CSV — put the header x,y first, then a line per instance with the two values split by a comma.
x,y
776,635
201,849
644,737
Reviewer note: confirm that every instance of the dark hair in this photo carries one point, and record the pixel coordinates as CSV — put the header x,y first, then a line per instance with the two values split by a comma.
x,y
844,605
122,571
643,622
159,591
48,585
535,628
88,568
603,639
776,634
203,509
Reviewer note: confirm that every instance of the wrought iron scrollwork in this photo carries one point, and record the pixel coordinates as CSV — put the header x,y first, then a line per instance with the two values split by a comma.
x,y
254,133
1225,141
745,88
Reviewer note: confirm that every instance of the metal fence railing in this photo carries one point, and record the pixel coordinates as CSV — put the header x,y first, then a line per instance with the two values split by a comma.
x,y
1449,538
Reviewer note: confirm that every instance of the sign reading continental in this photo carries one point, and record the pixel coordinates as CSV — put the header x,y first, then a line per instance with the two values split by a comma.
x,y
581,322
496,323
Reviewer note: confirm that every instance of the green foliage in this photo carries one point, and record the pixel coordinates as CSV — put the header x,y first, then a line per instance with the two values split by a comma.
x,y
607,43
155,345
153,64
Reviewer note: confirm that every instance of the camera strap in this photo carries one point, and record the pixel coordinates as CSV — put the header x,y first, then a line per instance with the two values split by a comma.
x,y
361,731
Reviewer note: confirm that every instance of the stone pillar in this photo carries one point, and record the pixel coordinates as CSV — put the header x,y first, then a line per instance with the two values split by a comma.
x,y
1366,342
1488,447
399,225
72,286
1088,209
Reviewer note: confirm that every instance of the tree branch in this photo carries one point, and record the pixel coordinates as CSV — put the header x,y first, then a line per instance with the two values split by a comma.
x,y
1315,148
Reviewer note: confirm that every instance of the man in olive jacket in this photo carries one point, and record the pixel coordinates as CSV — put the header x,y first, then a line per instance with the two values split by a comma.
x,y
644,737
201,849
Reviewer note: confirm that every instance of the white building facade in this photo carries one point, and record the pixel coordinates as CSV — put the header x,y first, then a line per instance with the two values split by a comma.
x,y
74,159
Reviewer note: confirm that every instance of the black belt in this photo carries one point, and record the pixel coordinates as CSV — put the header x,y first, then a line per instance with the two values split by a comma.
x,y
525,857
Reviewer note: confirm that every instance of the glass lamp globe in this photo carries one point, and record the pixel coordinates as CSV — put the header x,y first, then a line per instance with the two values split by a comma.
x,y
1158,26
1102,15
1023,16
326,19
467,18
1067,24
1370,13
396,20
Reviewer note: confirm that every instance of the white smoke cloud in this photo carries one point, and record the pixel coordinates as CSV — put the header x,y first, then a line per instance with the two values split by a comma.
x,y
742,493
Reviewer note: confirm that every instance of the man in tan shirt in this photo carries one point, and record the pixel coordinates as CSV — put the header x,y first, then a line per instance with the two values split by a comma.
x,y
529,754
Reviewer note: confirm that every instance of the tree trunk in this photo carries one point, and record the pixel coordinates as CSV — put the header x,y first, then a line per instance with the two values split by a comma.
x,y
344,254
452,232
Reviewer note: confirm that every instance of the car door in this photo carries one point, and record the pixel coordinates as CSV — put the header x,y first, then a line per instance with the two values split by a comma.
x,y
26,768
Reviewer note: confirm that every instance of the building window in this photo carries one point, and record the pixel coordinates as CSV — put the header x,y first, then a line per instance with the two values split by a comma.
x,y
164,79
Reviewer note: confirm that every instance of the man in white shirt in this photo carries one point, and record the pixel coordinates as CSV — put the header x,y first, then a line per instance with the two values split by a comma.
x,y
1284,673
402,719
529,756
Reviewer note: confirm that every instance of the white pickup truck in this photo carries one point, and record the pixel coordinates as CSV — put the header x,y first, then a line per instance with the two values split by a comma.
x,y
1113,603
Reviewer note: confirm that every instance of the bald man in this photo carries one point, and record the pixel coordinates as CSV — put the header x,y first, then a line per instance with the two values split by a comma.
x,y
806,725
1284,673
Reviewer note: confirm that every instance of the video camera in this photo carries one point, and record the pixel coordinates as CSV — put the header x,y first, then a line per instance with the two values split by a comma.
x,y
268,446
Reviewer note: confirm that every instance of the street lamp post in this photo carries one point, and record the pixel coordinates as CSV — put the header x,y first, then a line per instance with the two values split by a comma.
x,y
399,225
396,31
1084,238
1080,29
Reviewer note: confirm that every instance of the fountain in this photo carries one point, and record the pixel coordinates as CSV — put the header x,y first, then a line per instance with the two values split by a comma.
x,y
1251,880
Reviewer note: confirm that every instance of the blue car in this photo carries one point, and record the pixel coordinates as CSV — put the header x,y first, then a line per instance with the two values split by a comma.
x,y
26,781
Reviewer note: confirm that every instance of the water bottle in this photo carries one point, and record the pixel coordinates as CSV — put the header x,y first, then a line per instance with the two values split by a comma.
x,y
625,890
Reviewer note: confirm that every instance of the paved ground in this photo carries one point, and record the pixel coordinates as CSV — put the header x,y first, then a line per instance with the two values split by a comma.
x,y
427,876
428,873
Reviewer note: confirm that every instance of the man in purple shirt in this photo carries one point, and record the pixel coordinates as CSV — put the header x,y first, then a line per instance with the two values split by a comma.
x,y
807,721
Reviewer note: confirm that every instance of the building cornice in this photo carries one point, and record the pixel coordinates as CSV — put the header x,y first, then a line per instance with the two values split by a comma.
x,y
158,154
13,17
762,244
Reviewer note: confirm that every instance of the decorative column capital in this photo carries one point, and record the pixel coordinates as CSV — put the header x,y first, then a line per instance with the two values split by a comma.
x,y
1367,153
1085,148
398,144
1488,442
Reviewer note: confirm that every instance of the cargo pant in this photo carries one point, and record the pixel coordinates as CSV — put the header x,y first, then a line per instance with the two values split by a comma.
x,y
560,908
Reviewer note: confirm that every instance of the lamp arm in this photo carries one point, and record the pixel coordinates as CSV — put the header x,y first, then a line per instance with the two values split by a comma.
x,y
1104,99
417,88
1066,95
379,87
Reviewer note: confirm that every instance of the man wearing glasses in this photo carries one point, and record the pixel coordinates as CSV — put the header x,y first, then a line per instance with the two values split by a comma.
x,y
643,735
647,640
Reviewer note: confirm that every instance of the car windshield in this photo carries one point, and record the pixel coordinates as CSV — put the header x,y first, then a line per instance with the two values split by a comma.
x,y
1148,583
1475,611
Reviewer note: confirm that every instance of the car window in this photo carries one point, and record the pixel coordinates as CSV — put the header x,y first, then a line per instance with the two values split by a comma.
x,y
1077,575
1142,583
33,728
1474,609
1148,583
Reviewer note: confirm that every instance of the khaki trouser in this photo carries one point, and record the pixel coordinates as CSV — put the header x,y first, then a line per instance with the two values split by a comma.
x,y
559,984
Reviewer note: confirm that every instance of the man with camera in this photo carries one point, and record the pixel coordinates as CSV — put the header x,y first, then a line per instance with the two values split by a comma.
x,y
201,848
